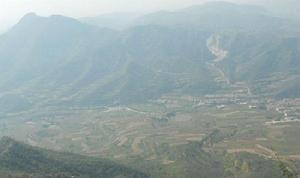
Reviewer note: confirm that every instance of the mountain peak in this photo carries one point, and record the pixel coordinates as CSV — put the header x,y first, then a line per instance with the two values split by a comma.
x,y
29,18
219,3
225,7
31,23
63,19
31,15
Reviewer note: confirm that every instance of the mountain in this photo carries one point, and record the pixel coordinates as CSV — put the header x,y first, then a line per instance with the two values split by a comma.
x,y
268,62
57,59
40,54
215,16
60,61
46,43
282,8
117,21
259,43
18,159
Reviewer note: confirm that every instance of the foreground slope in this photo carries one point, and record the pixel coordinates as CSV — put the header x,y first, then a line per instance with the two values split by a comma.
x,y
19,159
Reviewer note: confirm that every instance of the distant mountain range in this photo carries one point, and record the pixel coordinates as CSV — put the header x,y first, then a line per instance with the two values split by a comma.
x,y
117,21
60,61
283,8
21,160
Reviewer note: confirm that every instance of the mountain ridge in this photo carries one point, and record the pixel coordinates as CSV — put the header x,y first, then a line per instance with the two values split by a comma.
x,y
19,158
60,61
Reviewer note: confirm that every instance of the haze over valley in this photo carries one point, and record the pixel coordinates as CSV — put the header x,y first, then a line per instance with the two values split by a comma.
x,y
211,89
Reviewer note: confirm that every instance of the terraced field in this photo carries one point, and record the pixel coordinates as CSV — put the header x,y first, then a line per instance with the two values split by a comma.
x,y
159,137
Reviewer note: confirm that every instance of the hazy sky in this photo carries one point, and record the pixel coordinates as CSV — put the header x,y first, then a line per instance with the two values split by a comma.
x,y
12,10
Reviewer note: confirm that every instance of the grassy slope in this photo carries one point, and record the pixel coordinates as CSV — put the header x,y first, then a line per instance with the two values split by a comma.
x,y
18,158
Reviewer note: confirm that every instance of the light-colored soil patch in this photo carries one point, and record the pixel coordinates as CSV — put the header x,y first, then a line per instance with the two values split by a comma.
x,y
30,123
190,137
134,125
258,150
178,143
194,139
229,113
85,147
267,150
122,140
182,139
248,150
261,139
119,156
32,142
77,139
167,162
294,157
241,150
152,157
183,118
136,145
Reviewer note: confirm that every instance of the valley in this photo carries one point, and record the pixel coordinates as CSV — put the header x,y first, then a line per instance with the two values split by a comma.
x,y
155,133
208,91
